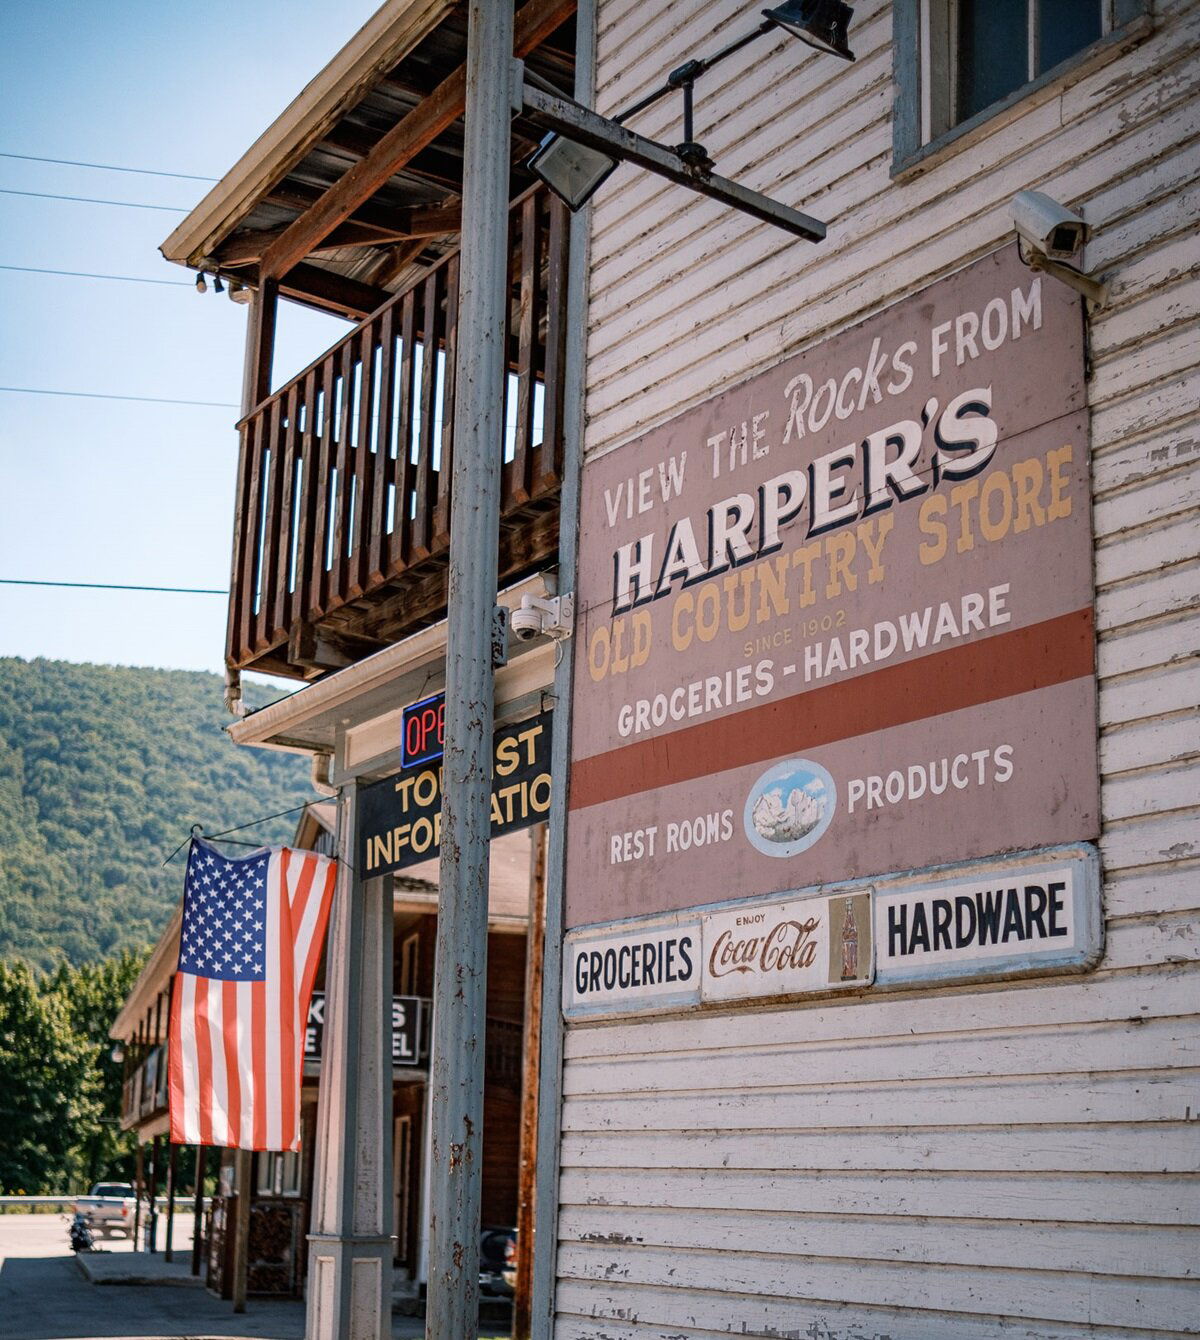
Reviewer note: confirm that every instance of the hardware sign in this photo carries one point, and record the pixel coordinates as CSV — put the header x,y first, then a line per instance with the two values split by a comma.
x,y
998,919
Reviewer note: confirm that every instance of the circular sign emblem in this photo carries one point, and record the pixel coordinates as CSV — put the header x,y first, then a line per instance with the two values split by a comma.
x,y
790,807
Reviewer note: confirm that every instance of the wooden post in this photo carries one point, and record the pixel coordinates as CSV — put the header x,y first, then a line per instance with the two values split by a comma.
x,y
243,1162
151,1203
198,1209
349,1294
137,1197
260,345
460,979
527,1181
172,1154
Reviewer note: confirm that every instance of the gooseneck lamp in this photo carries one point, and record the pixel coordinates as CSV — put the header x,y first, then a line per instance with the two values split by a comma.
x,y
574,171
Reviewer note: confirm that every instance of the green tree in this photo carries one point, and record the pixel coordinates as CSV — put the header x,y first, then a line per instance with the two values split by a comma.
x,y
103,770
49,1091
92,995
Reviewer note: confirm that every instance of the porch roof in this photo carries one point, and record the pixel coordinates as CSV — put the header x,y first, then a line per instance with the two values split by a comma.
x,y
325,150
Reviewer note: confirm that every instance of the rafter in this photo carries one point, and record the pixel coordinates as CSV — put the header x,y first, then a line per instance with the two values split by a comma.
x,y
332,292
537,20
249,248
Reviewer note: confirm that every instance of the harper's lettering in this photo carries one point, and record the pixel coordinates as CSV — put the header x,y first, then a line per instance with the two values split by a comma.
x,y
900,462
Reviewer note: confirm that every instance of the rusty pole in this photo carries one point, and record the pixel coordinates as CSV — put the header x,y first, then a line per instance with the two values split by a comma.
x,y
527,1178
461,975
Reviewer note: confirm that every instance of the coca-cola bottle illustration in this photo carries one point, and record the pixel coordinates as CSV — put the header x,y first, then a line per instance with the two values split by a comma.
x,y
849,942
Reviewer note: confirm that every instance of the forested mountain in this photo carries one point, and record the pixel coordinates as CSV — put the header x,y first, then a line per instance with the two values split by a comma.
x,y
103,770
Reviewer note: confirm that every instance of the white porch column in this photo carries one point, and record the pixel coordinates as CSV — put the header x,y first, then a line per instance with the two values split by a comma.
x,y
349,1293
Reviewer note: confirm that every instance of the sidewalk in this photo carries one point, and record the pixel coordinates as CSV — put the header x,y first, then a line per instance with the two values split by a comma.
x,y
148,1268
101,1267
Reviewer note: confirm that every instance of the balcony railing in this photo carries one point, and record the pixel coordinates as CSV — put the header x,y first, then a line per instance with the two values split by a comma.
x,y
343,494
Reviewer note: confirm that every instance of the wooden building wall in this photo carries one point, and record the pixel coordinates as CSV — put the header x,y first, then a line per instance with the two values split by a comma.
x,y
1014,1159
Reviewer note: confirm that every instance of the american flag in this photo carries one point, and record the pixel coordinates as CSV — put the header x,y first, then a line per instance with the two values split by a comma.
x,y
253,927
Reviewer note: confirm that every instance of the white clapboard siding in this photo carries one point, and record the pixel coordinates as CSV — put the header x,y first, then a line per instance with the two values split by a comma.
x,y
1088,1248
1016,1160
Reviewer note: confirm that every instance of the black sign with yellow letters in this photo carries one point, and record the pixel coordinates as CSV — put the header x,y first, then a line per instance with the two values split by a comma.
x,y
401,816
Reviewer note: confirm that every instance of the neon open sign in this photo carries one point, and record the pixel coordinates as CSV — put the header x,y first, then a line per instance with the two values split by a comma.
x,y
423,732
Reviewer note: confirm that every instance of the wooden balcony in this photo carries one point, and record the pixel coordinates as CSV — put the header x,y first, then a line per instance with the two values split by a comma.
x,y
342,522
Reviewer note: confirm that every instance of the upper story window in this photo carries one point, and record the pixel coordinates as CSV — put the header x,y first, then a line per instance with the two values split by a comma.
x,y
959,62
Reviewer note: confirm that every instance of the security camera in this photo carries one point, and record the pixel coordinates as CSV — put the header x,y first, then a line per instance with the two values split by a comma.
x,y
1048,227
538,617
1049,235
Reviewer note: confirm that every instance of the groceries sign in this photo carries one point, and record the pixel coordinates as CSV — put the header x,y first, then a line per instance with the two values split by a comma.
x,y
837,622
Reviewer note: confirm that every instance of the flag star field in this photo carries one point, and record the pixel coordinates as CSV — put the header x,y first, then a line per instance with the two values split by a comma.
x,y
224,935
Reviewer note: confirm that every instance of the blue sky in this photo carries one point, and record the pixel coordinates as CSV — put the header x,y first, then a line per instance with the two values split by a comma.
x,y
110,491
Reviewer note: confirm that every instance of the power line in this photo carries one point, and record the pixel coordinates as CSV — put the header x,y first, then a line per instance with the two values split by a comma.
x,y
111,586
89,200
99,395
106,167
84,274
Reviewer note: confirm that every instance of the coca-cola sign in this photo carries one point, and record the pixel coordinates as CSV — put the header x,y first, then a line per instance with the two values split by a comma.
x,y
791,948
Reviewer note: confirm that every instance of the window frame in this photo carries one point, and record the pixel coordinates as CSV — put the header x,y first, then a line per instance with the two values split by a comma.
x,y
920,103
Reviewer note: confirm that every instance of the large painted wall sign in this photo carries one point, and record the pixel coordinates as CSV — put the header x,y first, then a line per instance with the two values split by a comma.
x,y
838,621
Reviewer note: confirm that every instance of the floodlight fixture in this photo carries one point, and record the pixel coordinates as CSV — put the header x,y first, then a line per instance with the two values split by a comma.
x,y
573,169
822,24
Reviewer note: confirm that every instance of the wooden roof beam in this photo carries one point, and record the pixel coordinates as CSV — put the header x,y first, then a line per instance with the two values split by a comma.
x,y
331,292
536,20
249,248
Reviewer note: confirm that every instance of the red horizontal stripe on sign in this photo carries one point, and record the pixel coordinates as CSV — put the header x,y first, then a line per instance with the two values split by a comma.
x,y
979,672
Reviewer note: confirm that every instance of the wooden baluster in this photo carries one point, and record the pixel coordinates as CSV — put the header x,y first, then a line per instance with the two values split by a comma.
x,y
268,561
402,476
235,647
289,440
251,521
345,473
364,462
548,457
306,506
445,474
528,317
420,535
318,585
375,548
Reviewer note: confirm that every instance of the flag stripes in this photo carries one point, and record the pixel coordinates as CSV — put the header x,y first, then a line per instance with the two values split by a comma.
x,y
250,946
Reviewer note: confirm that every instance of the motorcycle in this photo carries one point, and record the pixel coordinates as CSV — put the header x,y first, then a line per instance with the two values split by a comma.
x,y
81,1234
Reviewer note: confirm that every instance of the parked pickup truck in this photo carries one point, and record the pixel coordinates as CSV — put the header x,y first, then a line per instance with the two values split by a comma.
x,y
108,1207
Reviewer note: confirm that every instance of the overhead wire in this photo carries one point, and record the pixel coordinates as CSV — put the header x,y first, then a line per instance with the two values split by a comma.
x,y
114,586
91,200
106,167
100,395
87,274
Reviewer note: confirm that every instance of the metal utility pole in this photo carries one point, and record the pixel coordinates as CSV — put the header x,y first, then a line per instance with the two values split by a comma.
x,y
461,975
